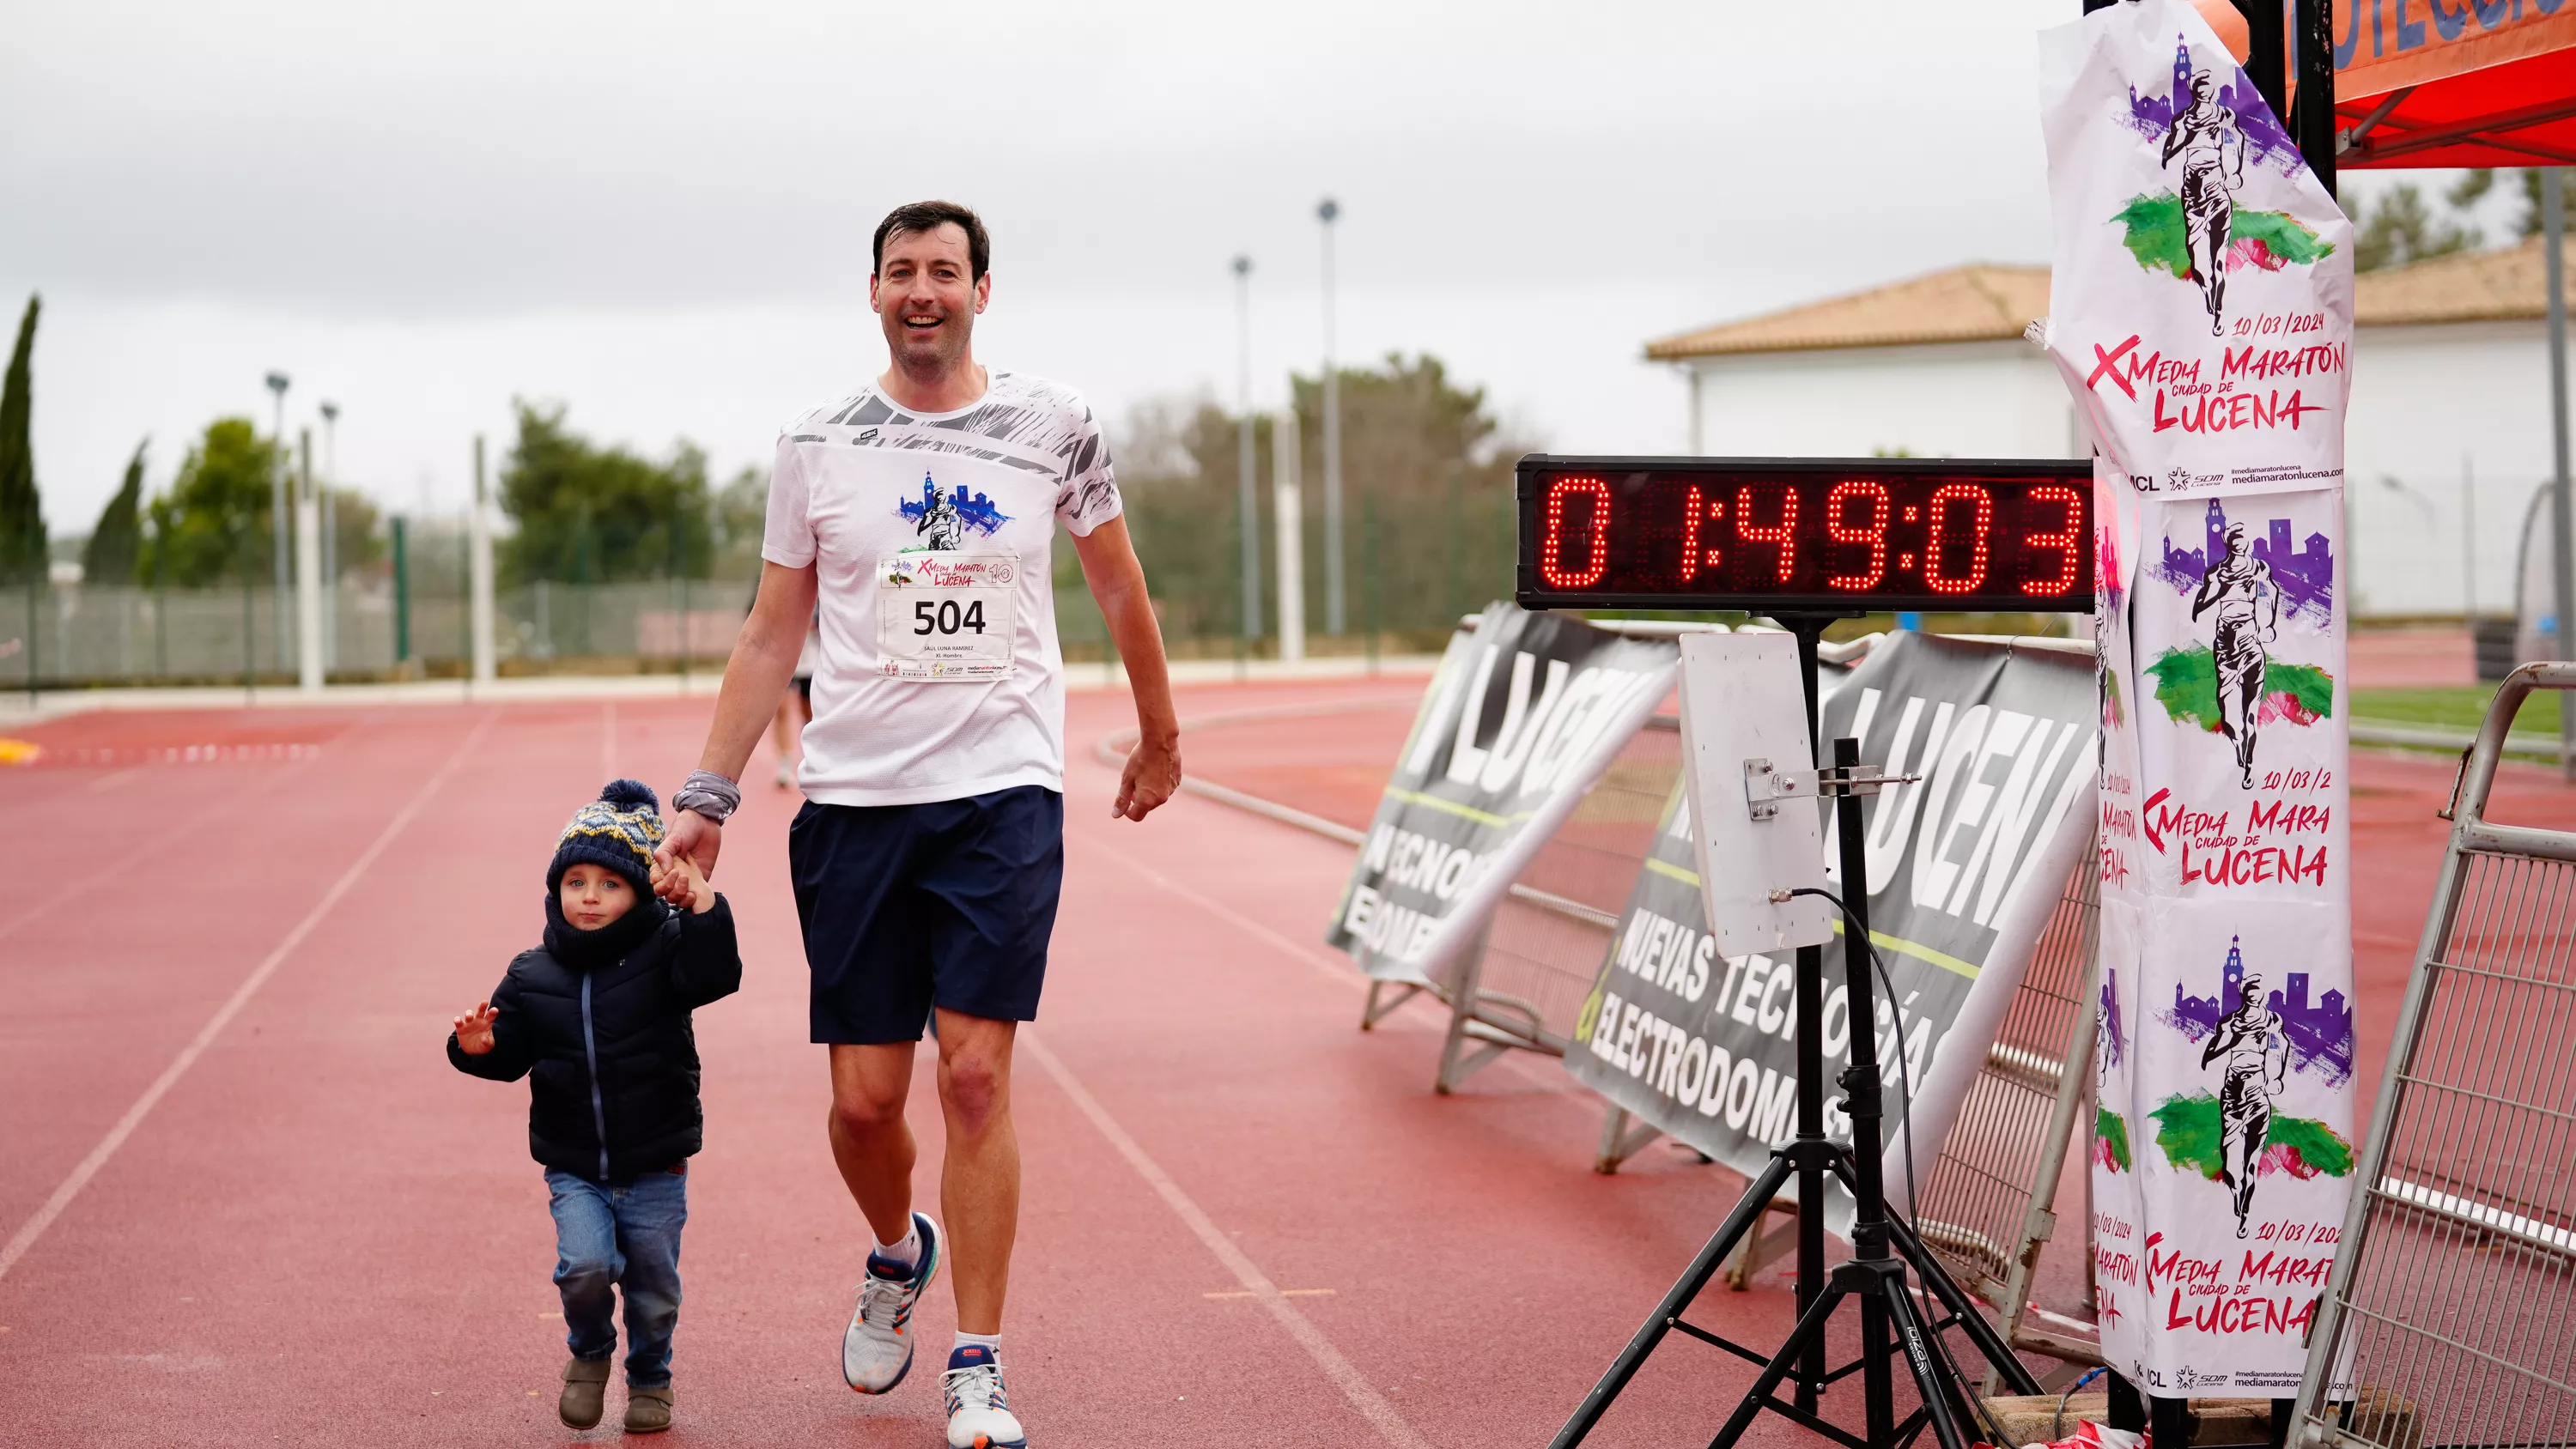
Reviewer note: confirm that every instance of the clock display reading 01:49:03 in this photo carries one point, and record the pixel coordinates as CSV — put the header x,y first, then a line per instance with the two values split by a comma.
x,y
1789,534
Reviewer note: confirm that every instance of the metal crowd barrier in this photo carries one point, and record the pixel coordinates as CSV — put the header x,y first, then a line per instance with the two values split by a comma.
x,y
2452,1306
1990,1204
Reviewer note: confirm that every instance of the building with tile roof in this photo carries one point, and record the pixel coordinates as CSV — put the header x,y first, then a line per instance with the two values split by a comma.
x,y
2447,442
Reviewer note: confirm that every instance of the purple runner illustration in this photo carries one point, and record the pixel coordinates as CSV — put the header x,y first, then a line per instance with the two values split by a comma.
x,y
2204,134
2248,608
2257,1052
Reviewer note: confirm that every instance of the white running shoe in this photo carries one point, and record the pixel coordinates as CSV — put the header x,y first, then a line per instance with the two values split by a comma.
x,y
876,1351
979,1410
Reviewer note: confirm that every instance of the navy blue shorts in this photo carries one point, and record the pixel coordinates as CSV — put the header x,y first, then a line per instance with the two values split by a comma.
x,y
949,902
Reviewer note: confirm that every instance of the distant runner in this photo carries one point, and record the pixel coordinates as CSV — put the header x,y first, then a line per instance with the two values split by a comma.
x,y
928,857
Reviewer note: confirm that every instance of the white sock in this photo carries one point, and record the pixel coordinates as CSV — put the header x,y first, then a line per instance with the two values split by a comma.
x,y
991,1343
907,1252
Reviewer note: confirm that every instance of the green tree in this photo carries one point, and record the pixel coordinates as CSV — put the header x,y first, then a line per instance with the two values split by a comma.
x,y
214,525
1423,459
589,514
2529,224
116,545
357,537
2400,228
22,518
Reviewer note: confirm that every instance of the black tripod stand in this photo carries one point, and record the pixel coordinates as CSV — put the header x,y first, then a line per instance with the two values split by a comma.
x,y
1883,1246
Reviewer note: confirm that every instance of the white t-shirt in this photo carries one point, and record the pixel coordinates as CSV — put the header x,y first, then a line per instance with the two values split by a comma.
x,y
932,537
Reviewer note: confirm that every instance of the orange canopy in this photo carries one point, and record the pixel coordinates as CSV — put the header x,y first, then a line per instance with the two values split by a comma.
x,y
2439,83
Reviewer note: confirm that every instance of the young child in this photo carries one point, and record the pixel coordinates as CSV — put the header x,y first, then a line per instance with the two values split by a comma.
x,y
597,1019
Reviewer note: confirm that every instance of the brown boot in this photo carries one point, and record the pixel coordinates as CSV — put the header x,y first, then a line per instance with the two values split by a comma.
x,y
648,1411
585,1383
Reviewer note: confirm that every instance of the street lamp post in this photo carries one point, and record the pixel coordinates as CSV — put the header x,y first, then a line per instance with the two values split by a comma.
x,y
1335,620
277,521
330,536
1244,462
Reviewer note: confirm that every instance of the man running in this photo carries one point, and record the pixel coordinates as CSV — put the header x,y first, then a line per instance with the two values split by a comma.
x,y
2240,588
2205,135
2257,1049
928,858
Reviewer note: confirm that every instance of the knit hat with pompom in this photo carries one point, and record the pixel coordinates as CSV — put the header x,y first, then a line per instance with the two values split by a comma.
x,y
618,830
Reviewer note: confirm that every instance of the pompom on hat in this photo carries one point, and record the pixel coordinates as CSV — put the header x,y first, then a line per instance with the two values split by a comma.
x,y
619,830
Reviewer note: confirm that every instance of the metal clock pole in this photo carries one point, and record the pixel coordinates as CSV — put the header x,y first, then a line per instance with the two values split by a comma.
x,y
1883,1247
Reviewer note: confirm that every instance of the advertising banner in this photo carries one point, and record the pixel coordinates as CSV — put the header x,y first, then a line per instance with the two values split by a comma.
x,y
1525,713
2201,312
1965,868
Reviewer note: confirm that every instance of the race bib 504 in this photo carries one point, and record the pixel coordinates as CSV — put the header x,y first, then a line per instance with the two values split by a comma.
x,y
947,616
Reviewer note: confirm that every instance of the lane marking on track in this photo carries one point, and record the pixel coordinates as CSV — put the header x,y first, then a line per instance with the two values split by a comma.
x,y
187,831
1371,1405
1339,971
34,1228
1337,968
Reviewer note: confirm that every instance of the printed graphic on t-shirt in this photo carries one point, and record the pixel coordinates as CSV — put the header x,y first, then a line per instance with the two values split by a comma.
x,y
943,518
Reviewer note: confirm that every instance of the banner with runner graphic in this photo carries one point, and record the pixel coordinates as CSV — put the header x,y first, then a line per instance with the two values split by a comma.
x,y
2201,313
1525,713
1965,869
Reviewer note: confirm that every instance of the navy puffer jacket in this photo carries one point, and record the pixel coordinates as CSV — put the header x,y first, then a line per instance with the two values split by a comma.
x,y
598,1021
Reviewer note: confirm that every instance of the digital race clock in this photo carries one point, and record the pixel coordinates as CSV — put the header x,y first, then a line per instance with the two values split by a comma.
x,y
1806,534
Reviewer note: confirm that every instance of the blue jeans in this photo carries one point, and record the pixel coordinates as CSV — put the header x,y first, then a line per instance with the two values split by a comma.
x,y
620,1235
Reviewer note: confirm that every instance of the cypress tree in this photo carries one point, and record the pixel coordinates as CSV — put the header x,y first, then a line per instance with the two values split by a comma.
x,y
116,544
22,521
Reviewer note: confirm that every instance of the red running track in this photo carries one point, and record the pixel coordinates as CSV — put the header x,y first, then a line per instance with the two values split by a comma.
x,y
246,1201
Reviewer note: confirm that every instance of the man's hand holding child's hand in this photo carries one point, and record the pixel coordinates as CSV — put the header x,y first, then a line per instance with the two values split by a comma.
x,y
474,1029
683,884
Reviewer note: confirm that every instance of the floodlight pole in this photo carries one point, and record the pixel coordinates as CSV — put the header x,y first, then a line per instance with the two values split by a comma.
x,y
277,510
308,572
330,535
1336,618
1245,465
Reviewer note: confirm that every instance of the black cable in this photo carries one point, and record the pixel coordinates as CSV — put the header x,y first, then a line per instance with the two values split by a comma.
x,y
2057,1425
1905,1126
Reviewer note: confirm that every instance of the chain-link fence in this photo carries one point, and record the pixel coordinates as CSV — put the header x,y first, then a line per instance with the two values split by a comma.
x,y
1415,565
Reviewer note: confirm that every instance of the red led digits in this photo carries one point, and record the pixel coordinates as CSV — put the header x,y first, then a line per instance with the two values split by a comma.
x,y
1874,533
1784,533
1694,558
1942,497
1551,552
2065,541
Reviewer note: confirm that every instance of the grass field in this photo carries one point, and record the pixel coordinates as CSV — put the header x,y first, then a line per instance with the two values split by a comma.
x,y
2460,706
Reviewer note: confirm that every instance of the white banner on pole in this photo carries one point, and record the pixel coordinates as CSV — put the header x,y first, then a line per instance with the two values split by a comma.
x,y
1524,714
2201,312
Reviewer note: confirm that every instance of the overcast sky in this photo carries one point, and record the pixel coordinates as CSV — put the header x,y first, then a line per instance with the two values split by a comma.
x,y
659,215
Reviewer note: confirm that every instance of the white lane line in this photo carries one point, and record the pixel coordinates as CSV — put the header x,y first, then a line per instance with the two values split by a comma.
x,y
34,1228
1341,972
1354,1386
188,831
1338,968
